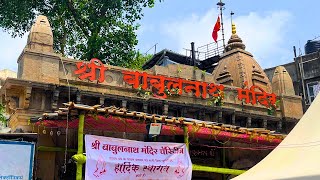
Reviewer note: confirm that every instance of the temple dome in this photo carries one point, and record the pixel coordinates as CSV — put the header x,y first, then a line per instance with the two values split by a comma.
x,y
281,82
41,37
238,66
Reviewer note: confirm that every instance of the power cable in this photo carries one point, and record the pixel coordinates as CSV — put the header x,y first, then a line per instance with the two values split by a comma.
x,y
67,128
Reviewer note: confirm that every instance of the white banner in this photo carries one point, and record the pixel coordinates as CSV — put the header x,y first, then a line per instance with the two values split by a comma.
x,y
113,158
16,160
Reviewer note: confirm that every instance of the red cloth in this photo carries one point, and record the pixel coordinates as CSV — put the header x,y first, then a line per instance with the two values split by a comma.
x,y
119,124
216,29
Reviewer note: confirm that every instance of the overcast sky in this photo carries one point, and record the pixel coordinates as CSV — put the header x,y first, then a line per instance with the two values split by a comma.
x,y
269,28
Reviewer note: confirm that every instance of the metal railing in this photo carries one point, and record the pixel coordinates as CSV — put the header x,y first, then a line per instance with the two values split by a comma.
x,y
210,50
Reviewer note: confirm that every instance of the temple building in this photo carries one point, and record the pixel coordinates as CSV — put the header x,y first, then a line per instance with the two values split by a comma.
x,y
230,104
305,73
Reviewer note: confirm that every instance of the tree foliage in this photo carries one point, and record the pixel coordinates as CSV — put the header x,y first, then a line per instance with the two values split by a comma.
x,y
139,60
3,119
83,29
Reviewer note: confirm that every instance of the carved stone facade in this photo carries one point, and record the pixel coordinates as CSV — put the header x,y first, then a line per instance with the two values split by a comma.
x,y
46,80
282,82
43,86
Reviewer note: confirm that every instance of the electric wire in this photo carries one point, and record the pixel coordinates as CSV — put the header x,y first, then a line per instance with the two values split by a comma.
x,y
67,126
301,145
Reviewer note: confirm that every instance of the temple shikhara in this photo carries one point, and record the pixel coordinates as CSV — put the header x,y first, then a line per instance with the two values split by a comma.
x,y
230,118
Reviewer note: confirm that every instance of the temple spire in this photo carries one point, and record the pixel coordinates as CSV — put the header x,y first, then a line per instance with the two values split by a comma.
x,y
41,37
235,41
231,15
234,29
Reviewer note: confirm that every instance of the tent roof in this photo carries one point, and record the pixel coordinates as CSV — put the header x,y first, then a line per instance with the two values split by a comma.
x,y
297,156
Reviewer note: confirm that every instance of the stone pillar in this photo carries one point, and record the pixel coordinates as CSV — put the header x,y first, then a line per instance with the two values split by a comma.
x,y
43,101
233,118
202,115
124,104
101,100
183,111
78,97
145,107
55,98
249,121
220,117
165,109
265,123
27,96
279,126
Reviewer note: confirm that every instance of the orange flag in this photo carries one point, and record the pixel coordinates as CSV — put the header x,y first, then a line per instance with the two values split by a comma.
x,y
216,29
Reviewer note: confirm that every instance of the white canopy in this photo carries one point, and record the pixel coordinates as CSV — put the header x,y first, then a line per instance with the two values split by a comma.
x,y
297,156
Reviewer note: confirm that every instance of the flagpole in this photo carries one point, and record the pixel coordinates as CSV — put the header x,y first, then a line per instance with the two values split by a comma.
x,y
221,4
231,14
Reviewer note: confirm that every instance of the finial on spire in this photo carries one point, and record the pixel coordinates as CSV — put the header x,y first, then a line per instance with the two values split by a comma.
x,y
235,41
231,14
234,30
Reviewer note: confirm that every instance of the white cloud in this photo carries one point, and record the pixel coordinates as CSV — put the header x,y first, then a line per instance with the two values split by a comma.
x,y
263,34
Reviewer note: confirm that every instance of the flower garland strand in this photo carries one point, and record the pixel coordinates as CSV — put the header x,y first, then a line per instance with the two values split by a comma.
x,y
217,100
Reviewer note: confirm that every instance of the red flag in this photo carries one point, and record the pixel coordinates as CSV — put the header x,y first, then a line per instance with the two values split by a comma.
x,y
216,29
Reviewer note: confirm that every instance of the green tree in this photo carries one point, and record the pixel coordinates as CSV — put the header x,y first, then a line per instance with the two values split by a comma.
x,y
3,119
139,60
83,29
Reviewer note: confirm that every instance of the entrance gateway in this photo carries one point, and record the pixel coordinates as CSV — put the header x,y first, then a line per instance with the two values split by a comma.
x,y
192,106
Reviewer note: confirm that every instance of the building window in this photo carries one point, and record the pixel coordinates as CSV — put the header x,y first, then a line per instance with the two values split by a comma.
x,y
313,90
